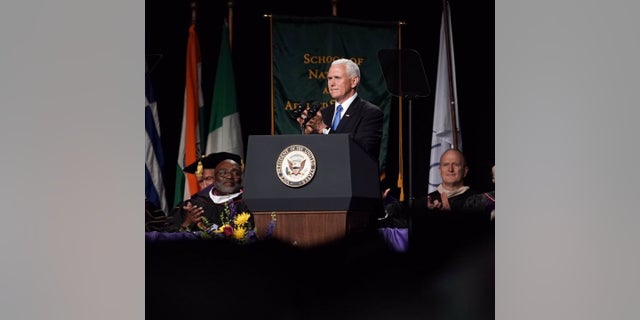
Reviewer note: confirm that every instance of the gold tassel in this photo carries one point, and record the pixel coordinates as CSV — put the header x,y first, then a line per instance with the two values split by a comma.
x,y
199,169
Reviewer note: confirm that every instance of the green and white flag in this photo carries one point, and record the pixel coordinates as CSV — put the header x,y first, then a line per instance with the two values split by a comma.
x,y
225,133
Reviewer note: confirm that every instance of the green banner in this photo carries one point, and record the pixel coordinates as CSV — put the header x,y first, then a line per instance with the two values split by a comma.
x,y
303,49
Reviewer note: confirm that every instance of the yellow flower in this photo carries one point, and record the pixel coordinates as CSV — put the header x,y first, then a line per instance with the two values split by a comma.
x,y
239,233
241,219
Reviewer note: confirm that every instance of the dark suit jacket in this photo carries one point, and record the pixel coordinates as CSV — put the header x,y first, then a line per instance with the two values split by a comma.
x,y
363,122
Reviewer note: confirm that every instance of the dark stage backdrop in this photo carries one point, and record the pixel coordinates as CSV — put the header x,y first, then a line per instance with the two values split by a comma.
x,y
166,30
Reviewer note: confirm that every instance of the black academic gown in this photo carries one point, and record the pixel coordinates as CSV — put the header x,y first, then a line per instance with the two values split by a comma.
x,y
457,202
212,211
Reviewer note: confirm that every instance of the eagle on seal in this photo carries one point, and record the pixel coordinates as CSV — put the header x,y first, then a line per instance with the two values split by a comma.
x,y
296,166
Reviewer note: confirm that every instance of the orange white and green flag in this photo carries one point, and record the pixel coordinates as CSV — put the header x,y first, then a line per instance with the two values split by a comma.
x,y
190,150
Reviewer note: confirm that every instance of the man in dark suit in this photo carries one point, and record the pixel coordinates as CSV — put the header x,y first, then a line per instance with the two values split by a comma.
x,y
350,114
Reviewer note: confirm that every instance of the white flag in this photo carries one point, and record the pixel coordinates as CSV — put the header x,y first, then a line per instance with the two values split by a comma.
x,y
442,135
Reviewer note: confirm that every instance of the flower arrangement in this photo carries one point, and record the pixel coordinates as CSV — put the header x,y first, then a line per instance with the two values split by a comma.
x,y
235,226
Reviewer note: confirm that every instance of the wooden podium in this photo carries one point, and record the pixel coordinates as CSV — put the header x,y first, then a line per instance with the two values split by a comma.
x,y
342,195
310,228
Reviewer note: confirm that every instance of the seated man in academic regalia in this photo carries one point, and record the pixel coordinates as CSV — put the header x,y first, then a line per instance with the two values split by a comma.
x,y
219,206
450,223
451,193
204,168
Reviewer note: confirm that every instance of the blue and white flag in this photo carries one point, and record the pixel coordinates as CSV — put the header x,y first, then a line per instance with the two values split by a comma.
x,y
154,158
442,135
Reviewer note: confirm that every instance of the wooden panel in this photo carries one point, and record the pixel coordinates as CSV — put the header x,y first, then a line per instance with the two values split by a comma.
x,y
310,228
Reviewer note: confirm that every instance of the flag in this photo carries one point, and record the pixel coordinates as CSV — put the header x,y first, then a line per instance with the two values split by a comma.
x,y
189,151
154,156
442,135
225,134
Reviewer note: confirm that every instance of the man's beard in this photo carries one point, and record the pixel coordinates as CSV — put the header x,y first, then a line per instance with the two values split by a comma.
x,y
220,186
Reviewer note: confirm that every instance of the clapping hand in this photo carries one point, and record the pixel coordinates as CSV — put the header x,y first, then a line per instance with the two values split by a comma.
x,y
433,204
193,214
436,204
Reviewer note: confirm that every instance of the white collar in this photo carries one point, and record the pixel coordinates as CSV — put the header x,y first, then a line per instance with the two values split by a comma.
x,y
346,103
452,193
223,198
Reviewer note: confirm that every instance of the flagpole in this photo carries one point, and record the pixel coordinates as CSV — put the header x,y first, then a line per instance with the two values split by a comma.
x,y
193,11
271,83
452,100
400,182
334,8
230,4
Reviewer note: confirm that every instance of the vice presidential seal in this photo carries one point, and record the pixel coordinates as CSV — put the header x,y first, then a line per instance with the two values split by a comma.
x,y
296,165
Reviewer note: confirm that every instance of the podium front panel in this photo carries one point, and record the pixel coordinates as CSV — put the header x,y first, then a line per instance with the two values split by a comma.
x,y
346,177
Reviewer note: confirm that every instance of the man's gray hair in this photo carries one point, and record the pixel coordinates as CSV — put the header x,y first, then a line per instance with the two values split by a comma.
x,y
352,68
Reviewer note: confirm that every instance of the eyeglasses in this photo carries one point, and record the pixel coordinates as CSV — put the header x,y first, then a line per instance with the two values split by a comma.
x,y
224,173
